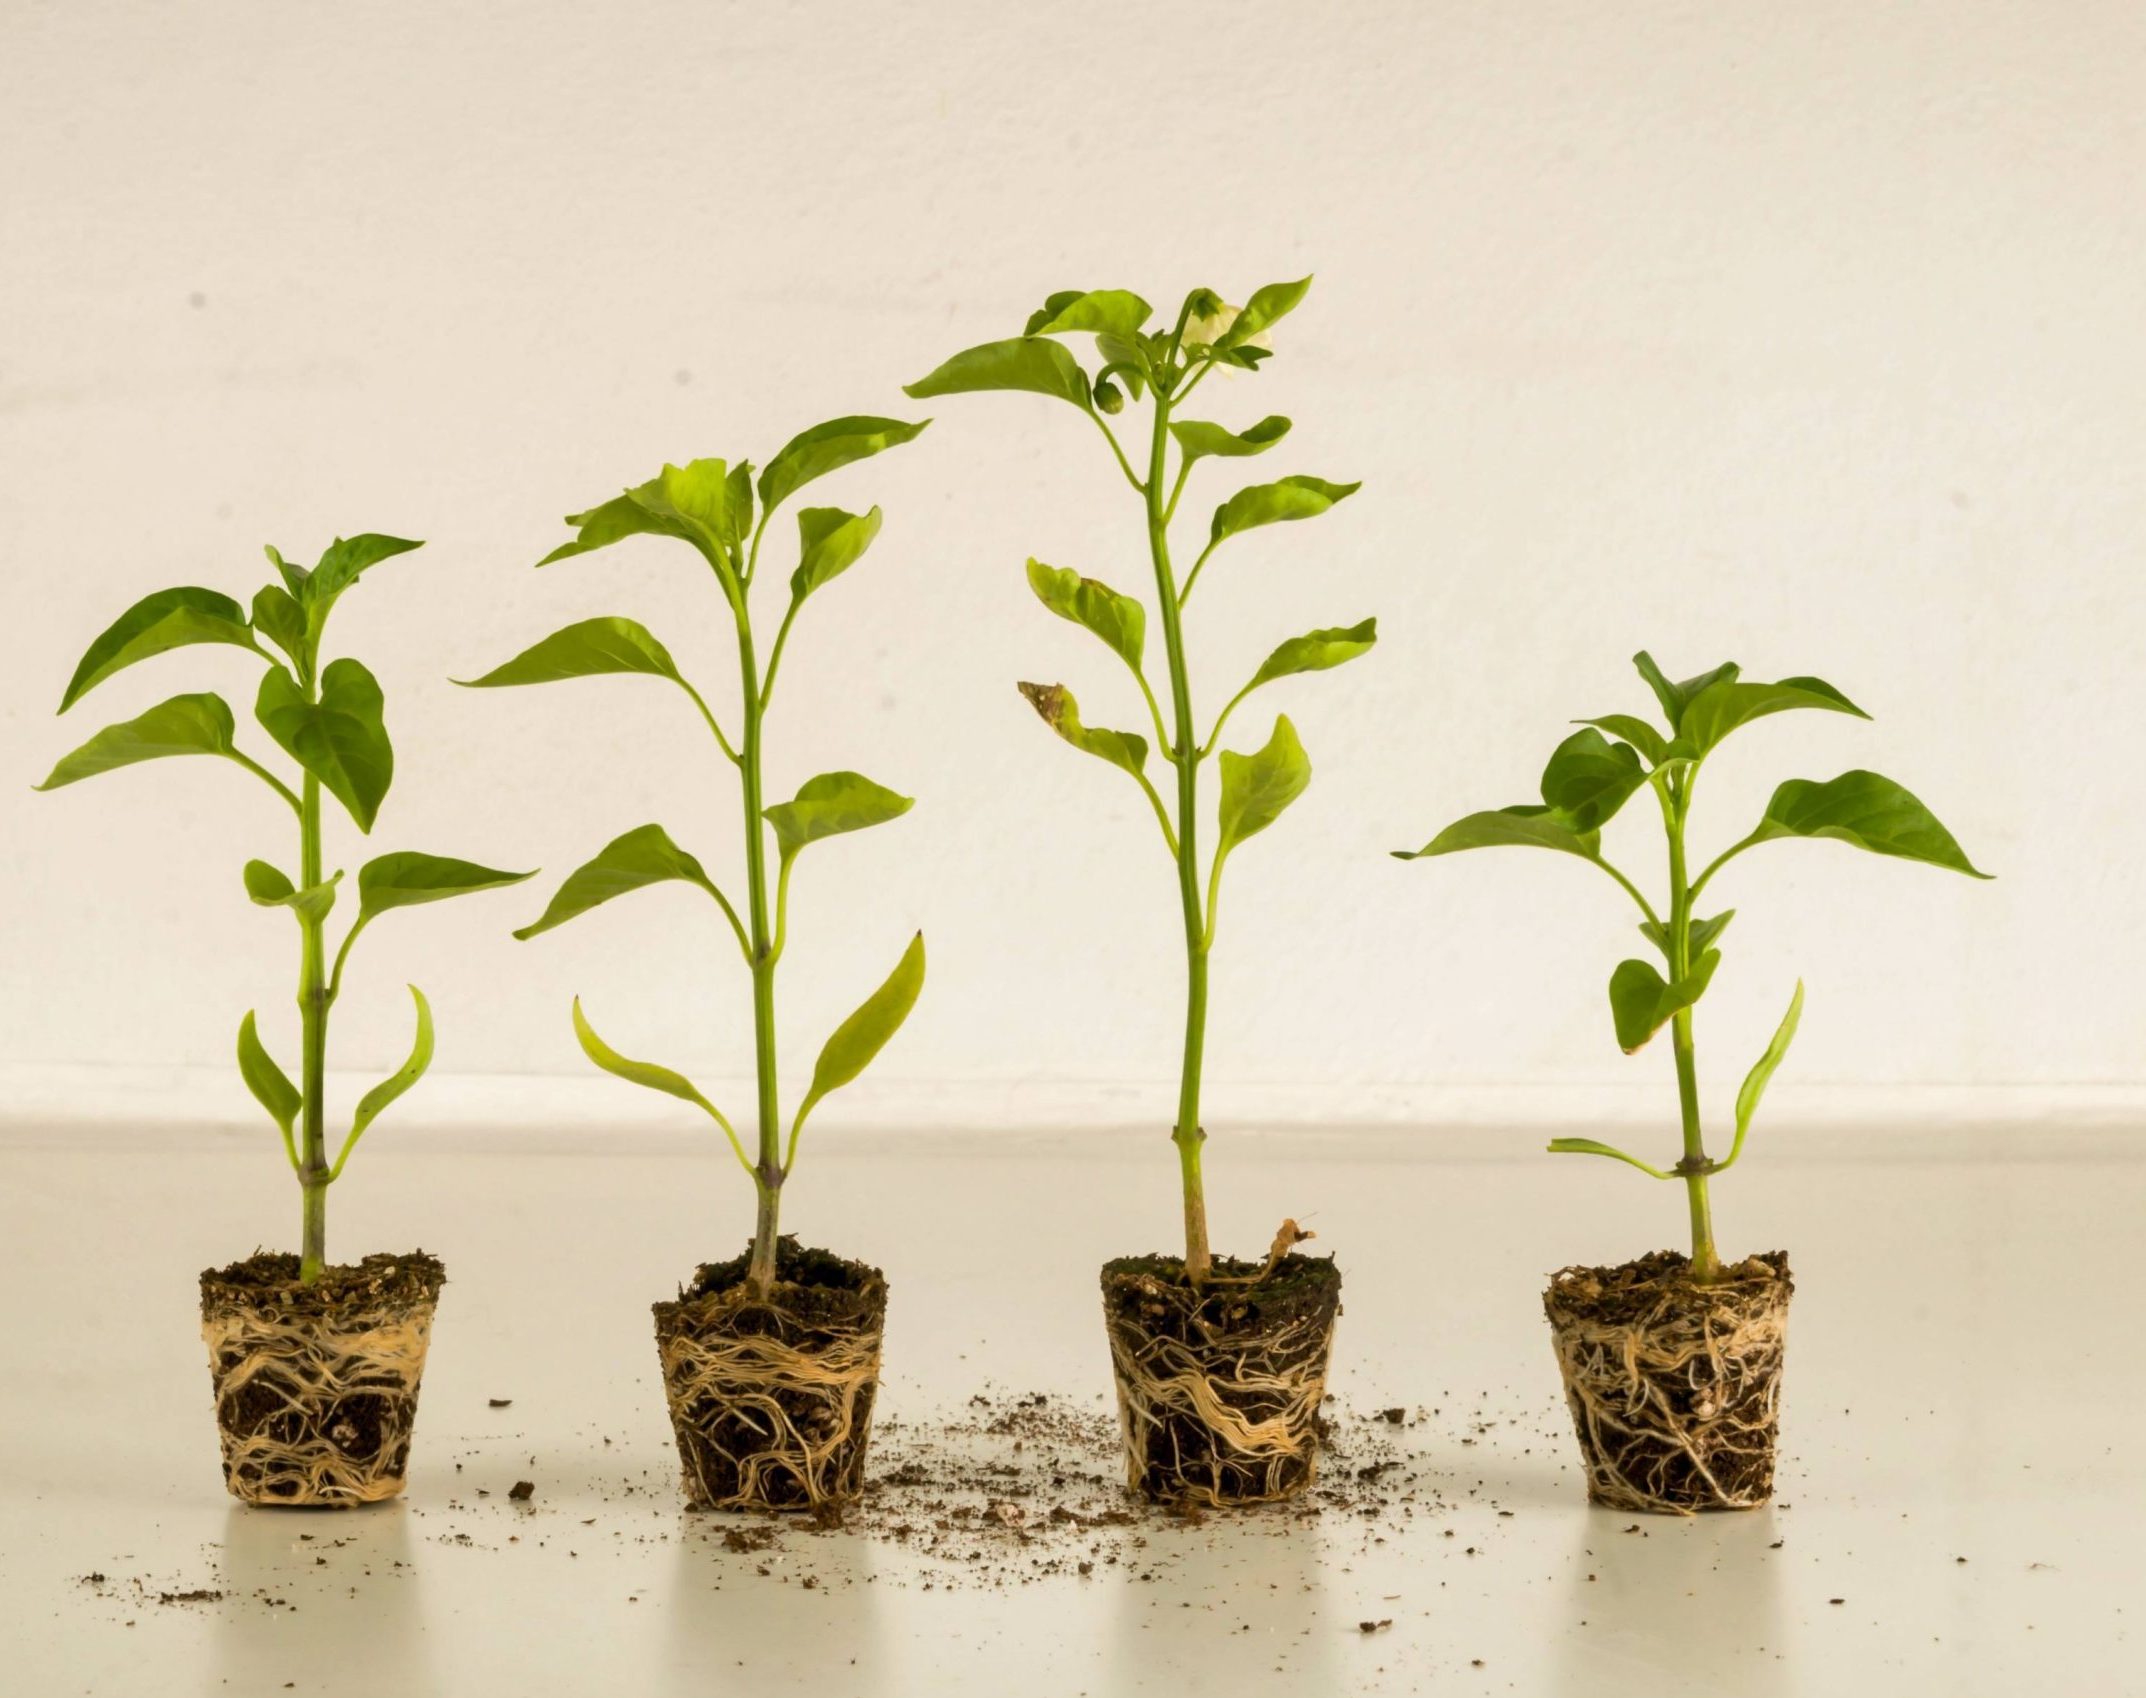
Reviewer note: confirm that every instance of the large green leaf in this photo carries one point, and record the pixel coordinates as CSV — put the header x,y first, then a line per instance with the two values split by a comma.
x,y
827,448
1867,810
270,1085
1274,503
408,877
865,1033
632,861
585,650
1755,1082
169,619
1317,651
1675,697
270,887
1126,749
1104,312
1033,363
639,1072
1201,440
1589,778
1642,1001
399,1081
1119,620
1703,932
1256,788
340,567
279,618
184,725
829,543
1637,732
341,739
1528,826
1723,706
1270,302
830,804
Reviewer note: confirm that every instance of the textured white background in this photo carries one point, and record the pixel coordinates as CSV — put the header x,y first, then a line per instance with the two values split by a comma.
x,y
1805,335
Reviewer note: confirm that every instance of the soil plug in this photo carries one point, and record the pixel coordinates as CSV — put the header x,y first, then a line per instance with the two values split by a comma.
x,y
1672,1363
1220,1364
771,1360
316,1368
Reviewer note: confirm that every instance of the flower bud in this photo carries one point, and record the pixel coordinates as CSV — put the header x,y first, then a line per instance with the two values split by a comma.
x,y
1109,397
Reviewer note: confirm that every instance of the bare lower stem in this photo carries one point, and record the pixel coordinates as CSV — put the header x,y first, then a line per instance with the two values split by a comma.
x,y
313,1025
760,1272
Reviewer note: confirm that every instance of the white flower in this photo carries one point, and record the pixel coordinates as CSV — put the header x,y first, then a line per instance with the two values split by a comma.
x,y
1204,330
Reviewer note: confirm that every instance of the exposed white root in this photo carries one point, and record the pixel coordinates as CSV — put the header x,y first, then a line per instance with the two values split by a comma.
x,y
1217,1413
775,1414
316,1403
1677,1407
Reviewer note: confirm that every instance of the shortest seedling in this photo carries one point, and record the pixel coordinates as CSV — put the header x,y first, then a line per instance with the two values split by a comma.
x,y
1672,1363
316,1367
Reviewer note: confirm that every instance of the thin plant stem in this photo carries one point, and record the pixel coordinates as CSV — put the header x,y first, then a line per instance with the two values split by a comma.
x,y
1705,1264
313,999
760,1273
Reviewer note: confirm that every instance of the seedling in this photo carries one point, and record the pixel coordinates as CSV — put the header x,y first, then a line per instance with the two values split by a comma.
x,y
1590,776
710,505
329,720
1164,367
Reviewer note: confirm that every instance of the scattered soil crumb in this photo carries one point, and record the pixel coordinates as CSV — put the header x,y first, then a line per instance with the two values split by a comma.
x,y
523,1491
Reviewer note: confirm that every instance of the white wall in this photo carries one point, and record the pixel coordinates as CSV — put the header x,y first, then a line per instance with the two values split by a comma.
x,y
1805,335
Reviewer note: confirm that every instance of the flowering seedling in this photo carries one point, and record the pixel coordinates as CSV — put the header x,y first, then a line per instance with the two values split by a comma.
x,y
1164,367
329,720
711,506
1591,775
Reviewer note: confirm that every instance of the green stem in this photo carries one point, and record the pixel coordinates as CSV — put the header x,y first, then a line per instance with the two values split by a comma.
x,y
313,1025
1187,1135
760,1273
1705,1264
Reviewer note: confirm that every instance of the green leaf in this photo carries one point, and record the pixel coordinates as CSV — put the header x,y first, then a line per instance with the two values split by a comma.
x,y
1755,1082
696,503
399,1081
1589,778
340,739
639,1072
591,648
1867,810
1025,362
1061,713
1595,1147
1200,440
1119,620
279,618
1317,651
865,1033
1256,788
270,1085
408,877
1676,697
1642,1002
1703,932
267,887
169,619
184,725
1271,302
1104,312
1637,732
1527,826
1723,706
340,567
294,575
829,543
1273,503
638,858
830,804
827,448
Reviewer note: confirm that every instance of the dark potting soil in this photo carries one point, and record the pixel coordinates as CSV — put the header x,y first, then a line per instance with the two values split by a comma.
x,y
272,1276
1625,1293
824,1316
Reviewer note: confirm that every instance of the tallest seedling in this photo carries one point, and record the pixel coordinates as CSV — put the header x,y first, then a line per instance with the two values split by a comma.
x,y
1163,366
770,1360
